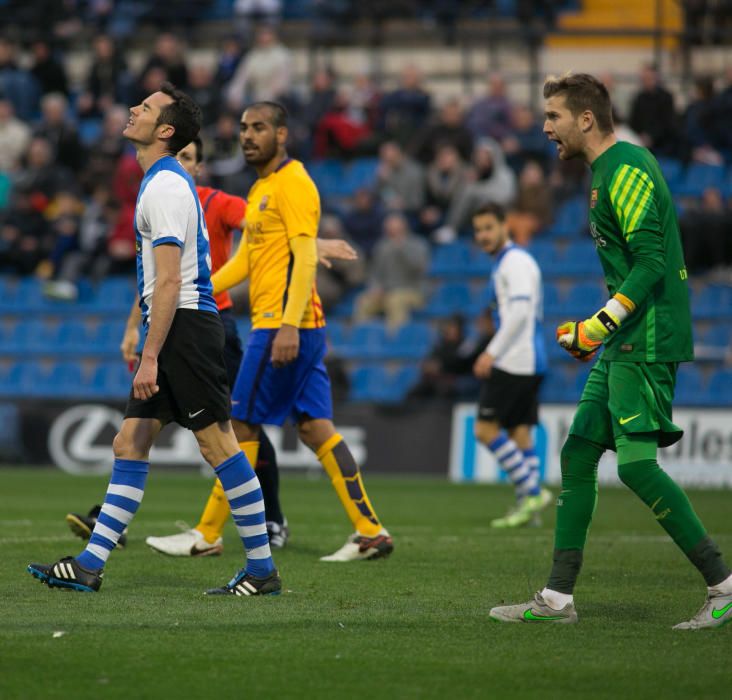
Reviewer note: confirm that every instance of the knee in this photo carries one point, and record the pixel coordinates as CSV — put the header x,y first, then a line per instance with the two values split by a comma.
x,y
314,433
486,432
125,446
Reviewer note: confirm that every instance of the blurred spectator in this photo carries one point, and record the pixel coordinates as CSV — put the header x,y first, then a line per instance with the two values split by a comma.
x,y
364,221
491,115
447,175
493,181
263,74
89,256
398,274
47,70
400,179
203,90
331,20
39,175
319,101
652,114
344,275
340,133
106,150
526,141
366,100
407,109
447,372
701,126
249,13
107,81
532,210
63,215
24,236
225,161
15,136
169,56
18,84
230,54
149,82
706,232
61,132
448,128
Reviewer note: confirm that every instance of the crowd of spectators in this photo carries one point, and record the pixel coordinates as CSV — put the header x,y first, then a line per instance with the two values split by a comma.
x,y
68,180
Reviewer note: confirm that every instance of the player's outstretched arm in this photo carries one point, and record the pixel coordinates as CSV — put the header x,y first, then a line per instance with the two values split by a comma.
x,y
334,249
234,271
131,338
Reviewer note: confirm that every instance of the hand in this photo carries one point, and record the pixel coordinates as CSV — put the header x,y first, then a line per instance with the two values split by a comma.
x,y
144,384
583,339
334,249
286,345
483,366
130,341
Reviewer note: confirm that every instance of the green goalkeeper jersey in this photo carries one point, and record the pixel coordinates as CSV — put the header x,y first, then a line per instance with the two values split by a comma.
x,y
636,233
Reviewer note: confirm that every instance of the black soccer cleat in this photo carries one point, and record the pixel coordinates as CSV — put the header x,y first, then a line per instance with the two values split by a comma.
x,y
83,525
278,533
244,584
68,573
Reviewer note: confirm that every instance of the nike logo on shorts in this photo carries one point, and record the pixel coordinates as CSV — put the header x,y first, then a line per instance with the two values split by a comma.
x,y
193,415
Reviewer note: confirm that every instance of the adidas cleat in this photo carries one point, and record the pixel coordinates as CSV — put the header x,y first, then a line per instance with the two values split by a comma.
x,y
716,611
278,533
525,512
67,573
244,584
83,525
535,611
360,547
190,543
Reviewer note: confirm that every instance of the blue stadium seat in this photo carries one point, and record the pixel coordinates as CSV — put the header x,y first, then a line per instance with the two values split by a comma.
x,y
481,264
690,386
583,300
329,176
114,295
401,382
720,388
107,338
367,341
338,334
581,260
111,379
554,387
361,173
73,337
699,177
367,382
552,301
63,379
713,302
673,171
570,219
90,130
21,379
412,341
482,299
451,260
31,336
450,298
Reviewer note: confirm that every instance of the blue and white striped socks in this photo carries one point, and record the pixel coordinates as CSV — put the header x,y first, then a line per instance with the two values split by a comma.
x,y
245,499
518,467
124,493
532,460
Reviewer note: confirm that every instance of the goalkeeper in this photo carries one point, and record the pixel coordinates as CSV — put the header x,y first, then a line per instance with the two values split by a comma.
x,y
646,330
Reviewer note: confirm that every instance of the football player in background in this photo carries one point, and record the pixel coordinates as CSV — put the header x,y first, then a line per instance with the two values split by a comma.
x,y
511,366
646,329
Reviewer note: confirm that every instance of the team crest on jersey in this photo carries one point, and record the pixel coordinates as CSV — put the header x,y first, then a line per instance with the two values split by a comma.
x,y
263,203
593,199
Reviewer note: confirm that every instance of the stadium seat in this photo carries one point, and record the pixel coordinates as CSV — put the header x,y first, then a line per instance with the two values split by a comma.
x,y
481,264
107,338
73,337
690,386
21,379
713,302
451,260
367,382
338,334
583,300
570,219
672,171
581,260
64,380
367,341
361,173
450,298
720,388
111,379
412,341
699,177
114,295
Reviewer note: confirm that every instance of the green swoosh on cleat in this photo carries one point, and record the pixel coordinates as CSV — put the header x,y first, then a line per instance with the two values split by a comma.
x,y
529,615
716,614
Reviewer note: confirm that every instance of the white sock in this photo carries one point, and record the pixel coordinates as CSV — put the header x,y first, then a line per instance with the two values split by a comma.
x,y
722,588
555,599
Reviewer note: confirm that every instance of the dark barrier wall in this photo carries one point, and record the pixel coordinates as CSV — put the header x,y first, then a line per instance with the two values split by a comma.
x,y
77,437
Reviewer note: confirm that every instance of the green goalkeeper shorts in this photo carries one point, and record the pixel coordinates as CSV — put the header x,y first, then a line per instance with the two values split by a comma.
x,y
624,398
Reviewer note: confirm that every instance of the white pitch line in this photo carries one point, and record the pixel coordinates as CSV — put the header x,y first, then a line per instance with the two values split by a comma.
x,y
23,540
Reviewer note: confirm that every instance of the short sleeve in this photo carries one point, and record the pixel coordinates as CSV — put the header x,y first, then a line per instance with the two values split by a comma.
x,y
299,206
168,203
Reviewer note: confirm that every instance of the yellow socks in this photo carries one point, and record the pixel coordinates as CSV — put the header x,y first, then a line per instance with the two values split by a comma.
x,y
342,469
216,512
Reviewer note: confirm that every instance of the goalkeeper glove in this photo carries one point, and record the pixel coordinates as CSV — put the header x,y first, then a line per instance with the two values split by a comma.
x,y
582,339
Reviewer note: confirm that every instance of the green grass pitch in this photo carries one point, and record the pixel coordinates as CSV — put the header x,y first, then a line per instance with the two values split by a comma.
x,y
413,626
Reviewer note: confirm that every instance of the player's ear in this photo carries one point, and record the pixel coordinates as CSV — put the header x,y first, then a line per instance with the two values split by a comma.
x,y
281,135
587,119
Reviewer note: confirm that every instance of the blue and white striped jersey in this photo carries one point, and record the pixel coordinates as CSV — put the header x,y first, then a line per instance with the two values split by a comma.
x,y
518,345
168,211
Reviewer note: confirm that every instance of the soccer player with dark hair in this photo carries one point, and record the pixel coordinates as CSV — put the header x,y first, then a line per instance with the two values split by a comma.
x,y
282,374
181,376
511,366
646,330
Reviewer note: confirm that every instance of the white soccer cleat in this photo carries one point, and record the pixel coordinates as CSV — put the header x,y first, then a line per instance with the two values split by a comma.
x,y
190,543
360,547
716,612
